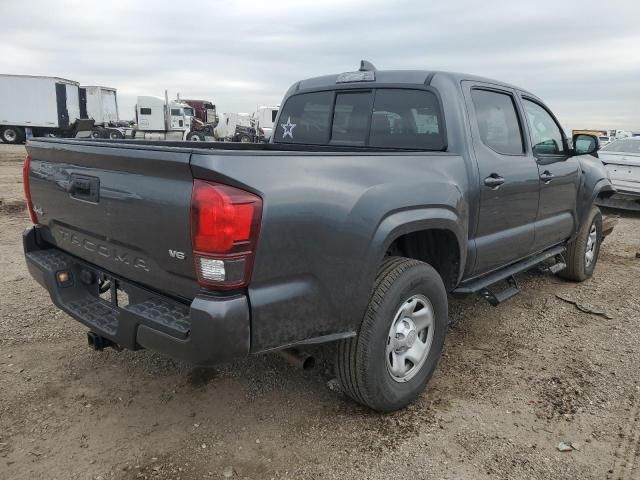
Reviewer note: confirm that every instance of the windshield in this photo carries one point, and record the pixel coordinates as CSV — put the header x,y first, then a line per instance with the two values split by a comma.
x,y
384,117
188,111
625,145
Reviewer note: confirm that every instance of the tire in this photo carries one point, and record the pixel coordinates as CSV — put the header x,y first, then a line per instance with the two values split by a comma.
x,y
115,135
12,135
245,139
195,137
588,239
365,363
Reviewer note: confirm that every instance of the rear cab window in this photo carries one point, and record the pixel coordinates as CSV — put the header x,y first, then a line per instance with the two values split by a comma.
x,y
391,118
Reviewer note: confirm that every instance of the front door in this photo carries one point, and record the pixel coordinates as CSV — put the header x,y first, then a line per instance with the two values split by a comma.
x,y
559,176
508,177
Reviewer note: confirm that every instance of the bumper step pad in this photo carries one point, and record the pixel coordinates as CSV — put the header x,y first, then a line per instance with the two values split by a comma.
x,y
97,312
82,302
175,317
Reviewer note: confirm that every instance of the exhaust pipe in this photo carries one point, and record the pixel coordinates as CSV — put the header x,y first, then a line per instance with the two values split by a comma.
x,y
298,359
99,343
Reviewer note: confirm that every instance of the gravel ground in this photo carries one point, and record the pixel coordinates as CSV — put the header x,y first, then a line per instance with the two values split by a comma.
x,y
514,383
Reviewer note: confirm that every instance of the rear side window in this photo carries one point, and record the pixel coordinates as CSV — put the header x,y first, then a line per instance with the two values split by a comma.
x,y
624,145
497,121
305,119
385,118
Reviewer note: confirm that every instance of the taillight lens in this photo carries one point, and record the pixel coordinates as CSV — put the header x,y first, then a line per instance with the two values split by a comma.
x,y
26,169
224,230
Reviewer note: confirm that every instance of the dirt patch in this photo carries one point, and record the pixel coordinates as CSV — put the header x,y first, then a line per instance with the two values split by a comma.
x,y
514,382
13,207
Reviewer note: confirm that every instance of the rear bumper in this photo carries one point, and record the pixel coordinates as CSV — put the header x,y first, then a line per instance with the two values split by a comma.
x,y
210,330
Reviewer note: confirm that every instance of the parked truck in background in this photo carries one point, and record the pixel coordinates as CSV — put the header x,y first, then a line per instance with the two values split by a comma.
x,y
41,106
236,127
204,119
264,119
101,105
158,119
380,193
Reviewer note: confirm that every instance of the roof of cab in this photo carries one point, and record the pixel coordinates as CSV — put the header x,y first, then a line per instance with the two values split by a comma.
x,y
409,77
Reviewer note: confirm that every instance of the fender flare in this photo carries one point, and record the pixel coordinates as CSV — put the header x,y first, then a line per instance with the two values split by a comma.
x,y
602,186
402,222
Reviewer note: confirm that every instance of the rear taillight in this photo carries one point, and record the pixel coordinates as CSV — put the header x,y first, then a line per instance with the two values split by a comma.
x,y
224,230
26,169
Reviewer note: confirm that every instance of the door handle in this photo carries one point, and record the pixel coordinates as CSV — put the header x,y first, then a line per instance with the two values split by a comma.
x,y
546,176
494,181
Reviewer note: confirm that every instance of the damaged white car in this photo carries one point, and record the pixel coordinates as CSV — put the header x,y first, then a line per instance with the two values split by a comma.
x,y
622,160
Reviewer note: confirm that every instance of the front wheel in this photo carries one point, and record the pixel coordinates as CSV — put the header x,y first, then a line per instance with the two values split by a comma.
x,y
195,137
397,349
583,251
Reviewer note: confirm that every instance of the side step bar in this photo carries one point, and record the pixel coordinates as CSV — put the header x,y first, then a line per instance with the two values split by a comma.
x,y
481,285
496,299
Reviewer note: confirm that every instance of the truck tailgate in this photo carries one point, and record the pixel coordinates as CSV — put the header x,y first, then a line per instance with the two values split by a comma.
x,y
124,208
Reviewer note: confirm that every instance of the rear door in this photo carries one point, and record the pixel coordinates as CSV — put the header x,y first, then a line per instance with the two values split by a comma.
x,y
61,102
123,208
558,176
508,177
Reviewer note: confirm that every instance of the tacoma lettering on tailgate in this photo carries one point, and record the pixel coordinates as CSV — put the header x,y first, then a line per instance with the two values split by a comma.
x,y
94,246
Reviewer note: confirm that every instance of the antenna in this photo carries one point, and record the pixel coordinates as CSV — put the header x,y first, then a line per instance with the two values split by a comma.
x,y
366,66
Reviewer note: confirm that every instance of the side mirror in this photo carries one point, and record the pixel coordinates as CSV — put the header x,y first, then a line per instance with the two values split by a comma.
x,y
585,144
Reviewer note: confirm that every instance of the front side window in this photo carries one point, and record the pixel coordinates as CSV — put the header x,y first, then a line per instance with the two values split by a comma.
x,y
145,111
497,121
547,136
175,112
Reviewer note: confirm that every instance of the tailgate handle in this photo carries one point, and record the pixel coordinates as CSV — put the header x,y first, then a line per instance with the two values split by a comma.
x,y
84,187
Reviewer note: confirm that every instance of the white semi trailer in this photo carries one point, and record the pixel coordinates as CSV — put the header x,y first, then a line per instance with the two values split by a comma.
x,y
39,106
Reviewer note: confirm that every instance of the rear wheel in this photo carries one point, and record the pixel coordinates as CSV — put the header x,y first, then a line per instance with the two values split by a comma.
x,y
583,251
115,135
12,135
397,349
245,139
98,132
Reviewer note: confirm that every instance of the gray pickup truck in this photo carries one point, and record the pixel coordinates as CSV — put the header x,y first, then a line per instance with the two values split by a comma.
x,y
380,193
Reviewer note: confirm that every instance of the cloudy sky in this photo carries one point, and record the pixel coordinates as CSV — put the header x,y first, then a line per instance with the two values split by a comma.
x,y
581,56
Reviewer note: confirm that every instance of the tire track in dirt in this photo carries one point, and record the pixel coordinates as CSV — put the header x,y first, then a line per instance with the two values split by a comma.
x,y
626,457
